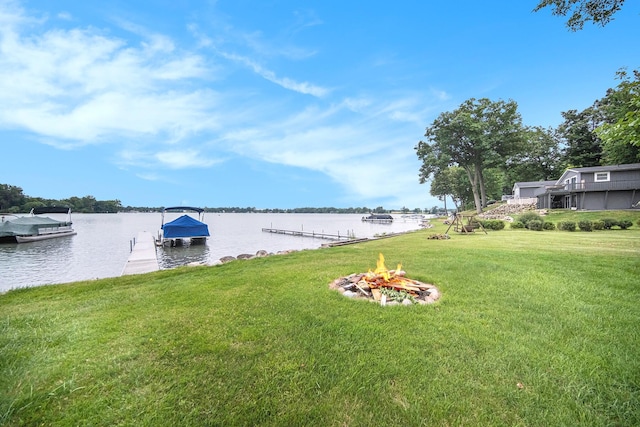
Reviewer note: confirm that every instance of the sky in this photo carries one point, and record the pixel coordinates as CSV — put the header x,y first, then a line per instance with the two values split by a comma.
x,y
274,103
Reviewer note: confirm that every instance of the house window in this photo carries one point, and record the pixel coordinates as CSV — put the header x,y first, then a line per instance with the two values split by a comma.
x,y
601,177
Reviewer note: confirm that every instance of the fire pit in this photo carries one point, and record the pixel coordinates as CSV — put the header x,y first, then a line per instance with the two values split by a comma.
x,y
387,287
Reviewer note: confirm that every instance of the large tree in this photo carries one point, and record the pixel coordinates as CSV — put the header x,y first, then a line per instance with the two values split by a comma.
x,y
478,135
451,182
539,161
620,134
582,147
581,11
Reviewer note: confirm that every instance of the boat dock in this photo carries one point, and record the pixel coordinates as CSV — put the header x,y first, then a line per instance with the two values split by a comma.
x,y
142,258
312,234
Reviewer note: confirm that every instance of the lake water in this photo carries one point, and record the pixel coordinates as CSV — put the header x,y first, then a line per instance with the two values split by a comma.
x,y
103,243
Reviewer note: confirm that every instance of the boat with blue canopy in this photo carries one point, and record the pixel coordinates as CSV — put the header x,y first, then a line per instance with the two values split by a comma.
x,y
183,228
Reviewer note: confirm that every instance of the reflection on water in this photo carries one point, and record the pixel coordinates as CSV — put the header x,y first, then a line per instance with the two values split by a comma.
x,y
187,253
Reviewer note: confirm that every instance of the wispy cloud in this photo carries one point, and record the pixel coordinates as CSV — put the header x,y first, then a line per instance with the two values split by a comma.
x,y
287,83
183,159
167,108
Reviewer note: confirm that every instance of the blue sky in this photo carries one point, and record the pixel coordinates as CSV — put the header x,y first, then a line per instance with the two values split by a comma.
x,y
273,104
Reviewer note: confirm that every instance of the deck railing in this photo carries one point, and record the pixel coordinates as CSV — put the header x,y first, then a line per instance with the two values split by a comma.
x,y
601,186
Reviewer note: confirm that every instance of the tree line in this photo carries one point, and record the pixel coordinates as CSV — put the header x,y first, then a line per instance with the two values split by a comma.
x,y
13,200
478,151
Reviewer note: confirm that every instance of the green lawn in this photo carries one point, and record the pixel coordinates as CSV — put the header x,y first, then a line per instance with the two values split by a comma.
x,y
532,329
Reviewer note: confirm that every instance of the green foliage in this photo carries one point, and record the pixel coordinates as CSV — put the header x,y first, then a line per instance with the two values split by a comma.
x,y
517,224
540,160
493,224
480,134
582,145
585,225
609,223
580,11
548,226
567,226
620,132
598,225
399,296
529,216
535,224
452,182
13,200
624,224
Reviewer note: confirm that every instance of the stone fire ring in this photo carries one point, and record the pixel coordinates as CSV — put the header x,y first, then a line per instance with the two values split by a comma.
x,y
354,286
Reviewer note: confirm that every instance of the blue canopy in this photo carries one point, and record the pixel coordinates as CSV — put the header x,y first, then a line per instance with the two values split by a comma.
x,y
184,227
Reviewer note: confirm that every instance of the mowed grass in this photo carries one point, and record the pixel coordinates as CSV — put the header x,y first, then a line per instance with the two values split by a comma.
x,y
532,329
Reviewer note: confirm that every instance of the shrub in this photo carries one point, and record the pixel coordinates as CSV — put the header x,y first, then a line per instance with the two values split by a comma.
x,y
535,224
598,225
639,223
624,224
517,224
493,224
609,223
567,225
548,226
527,217
585,225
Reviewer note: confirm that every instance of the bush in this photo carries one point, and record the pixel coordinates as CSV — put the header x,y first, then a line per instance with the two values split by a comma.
x,y
609,223
598,225
567,225
493,224
548,226
535,224
517,224
624,224
527,217
585,225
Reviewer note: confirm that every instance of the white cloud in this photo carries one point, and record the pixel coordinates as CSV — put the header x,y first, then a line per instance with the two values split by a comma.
x,y
287,83
78,86
153,101
183,159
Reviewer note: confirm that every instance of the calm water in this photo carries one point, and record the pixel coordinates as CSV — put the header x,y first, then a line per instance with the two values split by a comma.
x,y
102,245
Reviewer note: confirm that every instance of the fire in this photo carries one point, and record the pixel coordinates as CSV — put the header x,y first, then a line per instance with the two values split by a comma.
x,y
386,286
382,271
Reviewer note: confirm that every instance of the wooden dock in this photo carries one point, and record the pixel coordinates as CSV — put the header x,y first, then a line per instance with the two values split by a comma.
x,y
143,257
312,234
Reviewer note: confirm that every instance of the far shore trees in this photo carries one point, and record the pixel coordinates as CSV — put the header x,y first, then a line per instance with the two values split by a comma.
x,y
479,135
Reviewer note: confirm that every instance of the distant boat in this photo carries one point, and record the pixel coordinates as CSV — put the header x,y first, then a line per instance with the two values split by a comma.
x,y
183,228
380,218
35,227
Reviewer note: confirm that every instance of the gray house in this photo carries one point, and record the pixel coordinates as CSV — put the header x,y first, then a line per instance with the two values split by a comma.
x,y
527,190
592,188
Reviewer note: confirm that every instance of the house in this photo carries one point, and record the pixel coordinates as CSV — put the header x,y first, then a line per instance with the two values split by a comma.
x,y
527,192
592,188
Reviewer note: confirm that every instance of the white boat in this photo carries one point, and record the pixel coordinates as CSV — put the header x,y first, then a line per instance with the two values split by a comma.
x,y
35,227
183,228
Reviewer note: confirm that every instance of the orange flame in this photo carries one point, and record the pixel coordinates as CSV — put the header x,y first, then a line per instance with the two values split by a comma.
x,y
381,269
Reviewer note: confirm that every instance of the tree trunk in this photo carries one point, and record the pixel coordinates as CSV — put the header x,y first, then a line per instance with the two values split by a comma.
x,y
473,179
483,190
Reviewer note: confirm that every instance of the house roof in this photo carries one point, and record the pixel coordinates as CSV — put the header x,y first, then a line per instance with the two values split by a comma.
x,y
612,168
533,184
